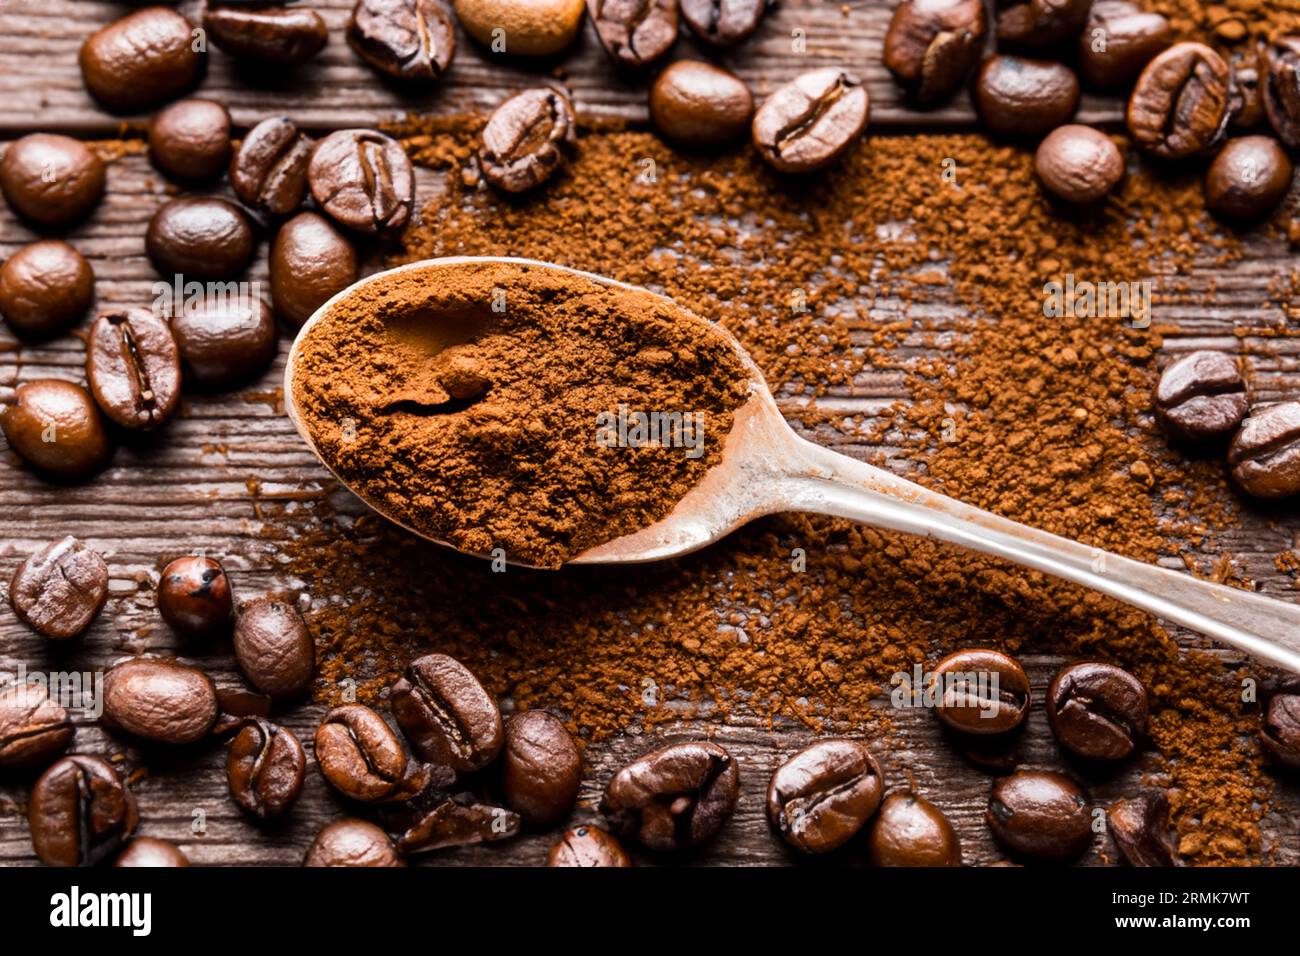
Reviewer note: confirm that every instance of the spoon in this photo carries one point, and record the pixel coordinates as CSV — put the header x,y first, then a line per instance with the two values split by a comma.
x,y
766,468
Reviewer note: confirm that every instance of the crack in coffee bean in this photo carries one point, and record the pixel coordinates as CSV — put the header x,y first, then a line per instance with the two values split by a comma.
x,y
1265,453
1098,711
723,23
822,796
405,39
1180,106
808,122
446,714
363,179
675,797
60,589
34,728
459,821
269,173
265,769
1140,828
359,755
635,33
80,812
133,367
1281,92
1201,397
525,138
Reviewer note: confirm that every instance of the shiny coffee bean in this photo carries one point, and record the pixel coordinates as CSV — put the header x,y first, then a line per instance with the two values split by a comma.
x,y
134,368
1098,711
1248,69
932,45
274,648
1280,736
526,139
223,344
1282,89
807,123
1201,397
1040,23
1119,39
1179,107
60,589
446,713
821,797
280,36
699,104
362,179
45,288
160,700
269,172
909,830
265,769
80,812
1140,828
359,754
190,140
51,180
1019,97
724,23
982,692
459,821
675,797
56,427
1078,164
1265,453
540,768
1248,179
1041,815
146,58
635,33
201,238
352,842
34,729
146,851
195,596
531,27
405,39
311,261
587,846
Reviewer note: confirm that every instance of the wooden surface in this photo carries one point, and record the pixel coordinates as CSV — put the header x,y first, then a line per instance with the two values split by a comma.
x,y
189,488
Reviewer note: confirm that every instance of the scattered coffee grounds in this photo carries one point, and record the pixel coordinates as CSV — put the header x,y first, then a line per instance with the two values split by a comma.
x,y
1228,21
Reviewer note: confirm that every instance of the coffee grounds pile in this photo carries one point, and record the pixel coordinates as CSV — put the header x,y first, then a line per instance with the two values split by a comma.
x,y
1229,21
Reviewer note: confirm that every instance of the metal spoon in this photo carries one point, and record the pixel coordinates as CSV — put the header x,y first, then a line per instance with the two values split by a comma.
x,y
767,468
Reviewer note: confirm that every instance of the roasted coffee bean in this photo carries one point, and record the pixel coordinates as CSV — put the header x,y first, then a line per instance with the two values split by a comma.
x,y
222,344
460,821
699,104
1040,23
51,180
1248,179
530,27
160,700
635,33
1248,69
822,796
1201,398
675,797
1179,107
269,173
526,139
446,714
200,237
1282,89
932,45
80,812
1019,97
1041,815
359,754
1265,453
134,368
1078,164
587,846
311,262
190,140
265,769
141,60
146,851
56,427
1098,711
34,729
45,288
60,589
1140,827
540,768
724,23
352,842
362,179
406,39
274,648
282,36
235,705
981,692
195,596
807,123
909,830
1280,736
1120,39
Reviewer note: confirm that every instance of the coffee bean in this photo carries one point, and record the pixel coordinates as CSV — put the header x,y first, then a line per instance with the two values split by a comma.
x,y
51,180
405,39
635,33
460,821
60,589
1018,97
807,123
195,596
80,812
982,692
1040,23
235,704
528,27
1248,179
352,842
265,769
200,237
1140,827
1201,398
1265,453
675,797
699,104
190,140
1098,711
146,851
1040,814
269,173
274,648
160,700
932,45
540,768
1179,107
724,23
134,368
1280,736
1248,69
909,830
141,60
225,342
359,754
34,729
1282,90
587,846
362,179
280,36
45,288
821,797
1078,164
56,427
1120,39
446,714
311,261
526,139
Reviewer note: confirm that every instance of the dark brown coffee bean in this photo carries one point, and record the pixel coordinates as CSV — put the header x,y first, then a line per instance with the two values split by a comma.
x,y
675,797
200,237
225,342
56,427
45,288
269,173
282,36
1180,105
540,768
60,589
51,180
352,842
146,851
1078,164
134,368
587,846
807,123
160,700
1248,69
1201,398
460,821
1248,179
1280,735
1019,97
1120,39
406,39
981,692
526,139
190,140
1140,827
80,812
724,23
1040,23
1098,711
821,797
1265,453
362,179
265,769
446,714
195,596
359,754
635,33
909,830
34,730
311,262
1282,89
1041,815
699,104
932,45
146,58
274,648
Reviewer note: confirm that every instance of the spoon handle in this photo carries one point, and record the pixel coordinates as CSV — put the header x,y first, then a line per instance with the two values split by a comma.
x,y
837,485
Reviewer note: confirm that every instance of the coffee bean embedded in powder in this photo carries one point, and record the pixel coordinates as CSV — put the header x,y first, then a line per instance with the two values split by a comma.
x,y
981,692
56,427
51,180
1265,453
526,139
143,851
269,172
190,140
807,123
311,261
200,237
1119,39
1280,735
195,596
160,700
60,589
1140,828
146,58
280,36
224,343
1248,179
34,728
541,769
673,798
909,830
1097,711
1179,107
932,45
635,33
45,288
698,104
1281,92
1019,97
362,179
1201,398
360,756
1078,164
404,39
446,713
274,648
459,821
824,795
531,27
134,368
1040,23
1041,815
587,846
724,23
265,769
352,842
80,812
